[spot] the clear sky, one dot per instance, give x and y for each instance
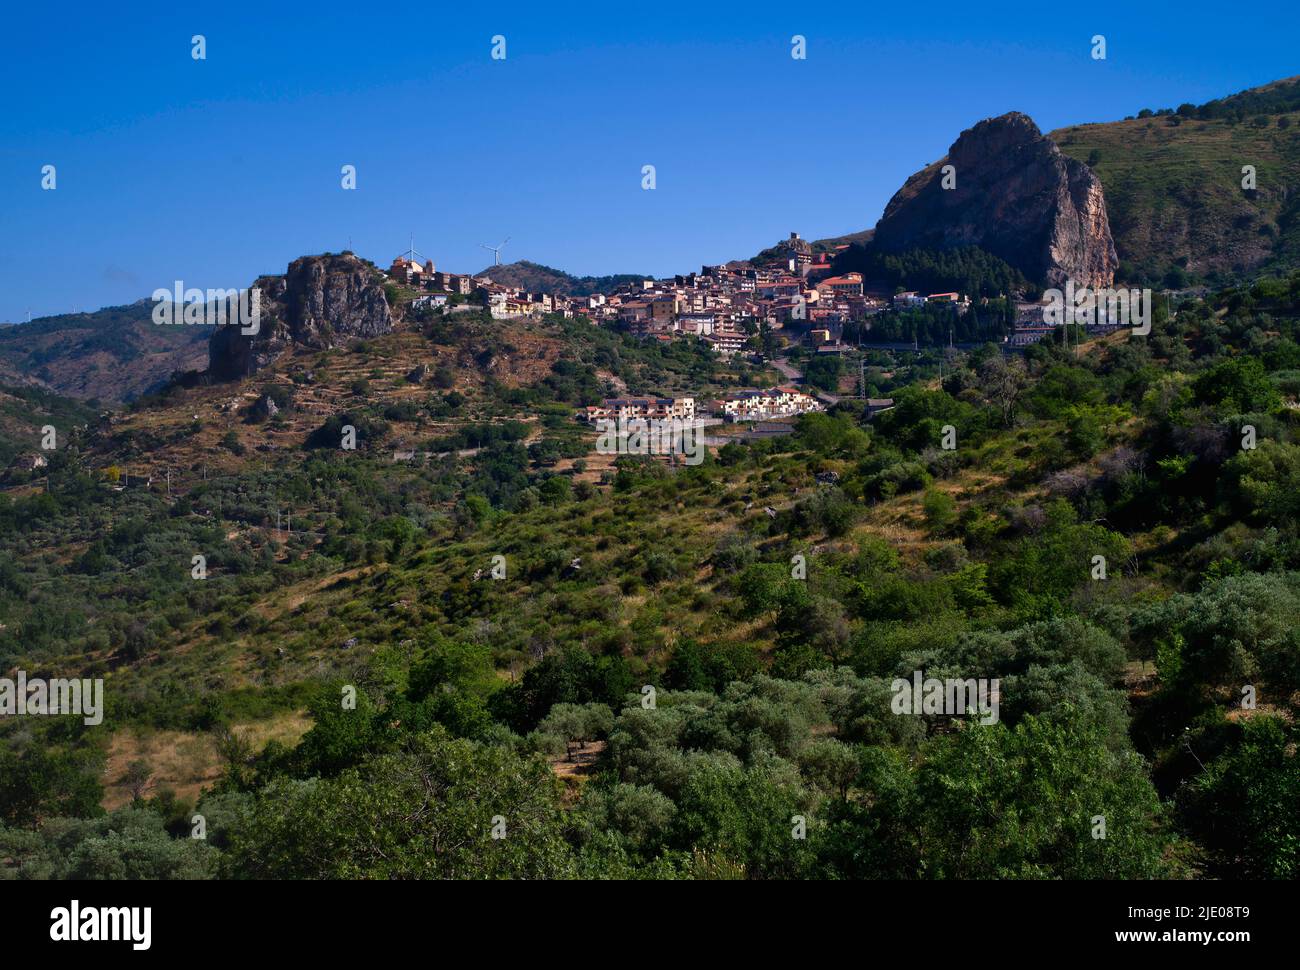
(218, 170)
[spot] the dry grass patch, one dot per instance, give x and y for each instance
(182, 761)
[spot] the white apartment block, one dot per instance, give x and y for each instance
(759, 405)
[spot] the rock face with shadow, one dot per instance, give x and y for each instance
(320, 302)
(1016, 196)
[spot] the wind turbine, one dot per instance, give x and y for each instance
(411, 255)
(495, 250)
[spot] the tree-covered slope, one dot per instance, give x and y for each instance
(674, 664)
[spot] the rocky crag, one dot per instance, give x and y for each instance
(320, 302)
(1016, 196)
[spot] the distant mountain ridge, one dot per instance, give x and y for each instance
(113, 355)
(536, 278)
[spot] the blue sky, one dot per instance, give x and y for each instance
(216, 171)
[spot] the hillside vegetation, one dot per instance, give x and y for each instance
(1174, 186)
(679, 667)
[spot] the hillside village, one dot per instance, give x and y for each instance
(791, 294)
(722, 305)
(795, 294)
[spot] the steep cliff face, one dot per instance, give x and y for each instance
(1016, 196)
(319, 302)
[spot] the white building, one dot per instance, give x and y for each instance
(760, 405)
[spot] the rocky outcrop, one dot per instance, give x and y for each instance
(265, 408)
(319, 302)
(1016, 196)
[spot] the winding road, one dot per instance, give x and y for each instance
(792, 373)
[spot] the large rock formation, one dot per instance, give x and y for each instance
(1016, 196)
(319, 302)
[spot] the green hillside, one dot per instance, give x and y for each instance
(1173, 182)
(25, 412)
(1121, 692)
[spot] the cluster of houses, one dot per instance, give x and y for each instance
(721, 305)
(440, 288)
(633, 408)
(775, 402)
(747, 405)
